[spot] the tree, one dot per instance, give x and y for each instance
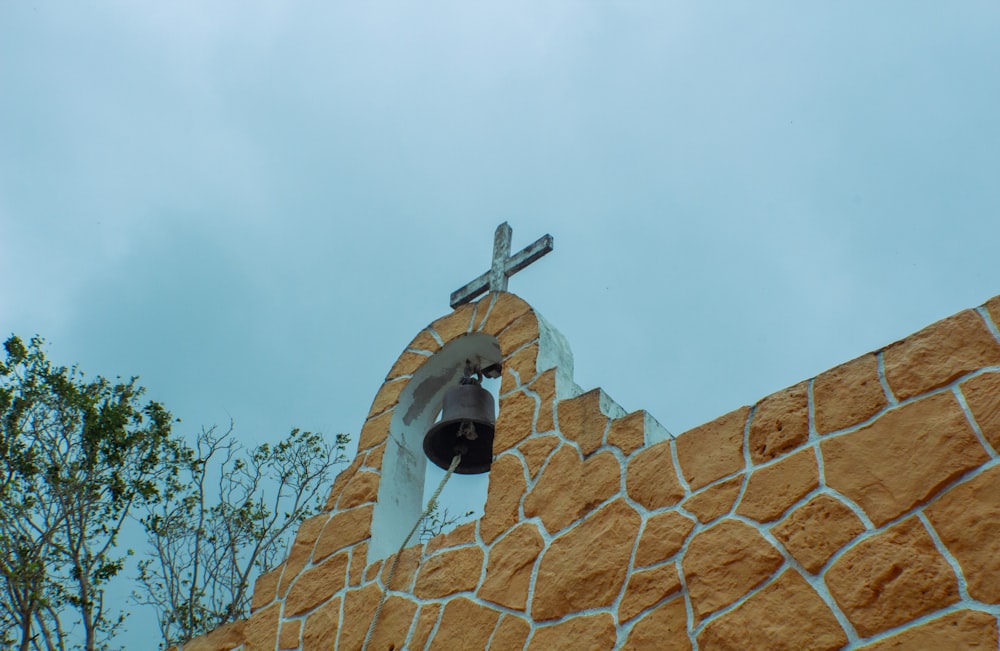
(438, 521)
(77, 457)
(228, 515)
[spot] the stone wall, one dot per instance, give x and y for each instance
(858, 509)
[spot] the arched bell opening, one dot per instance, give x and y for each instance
(406, 474)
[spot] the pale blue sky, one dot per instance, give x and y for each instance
(254, 206)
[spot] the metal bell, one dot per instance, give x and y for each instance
(466, 427)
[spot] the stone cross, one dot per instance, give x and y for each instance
(504, 266)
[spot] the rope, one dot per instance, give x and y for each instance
(392, 569)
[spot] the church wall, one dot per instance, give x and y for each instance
(859, 509)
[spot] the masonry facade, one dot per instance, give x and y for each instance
(859, 509)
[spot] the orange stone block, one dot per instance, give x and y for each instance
(663, 536)
(787, 615)
(982, 394)
(375, 430)
(545, 386)
(425, 624)
(342, 530)
(628, 434)
(265, 588)
(967, 519)
(904, 458)
(406, 365)
(289, 636)
(713, 450)
(373, 459)
(993, 308)
(505, 310)
(452, 571)
(848, 394)
(503, 497)
(965, 630)
(393, 624)
(262, 629)
(225, 637)
(536, 450)
(714, 501)
(373, 570)
(581, 420)
(406, 568)
(425, 341)
(464, 625)
(512, 633)
(343, 477)
(522, 331)
(570, 487)
(523, 363)
(780, 423)
(320, 632)
(584, 632)
(359, 608)
(515, 421)
(892, 578)
(457, 323)
(362, 489)
(651, 479)
(773, 489)
(359, 559)
(815, 531)
(939, 354)
(302, 549)
(663, 629)
(508, 570)
(647, 587)
(460, 535)
(586, 567)
(316, 585)
(387, 396)
(724, 563)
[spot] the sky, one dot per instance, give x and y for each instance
(254, 206)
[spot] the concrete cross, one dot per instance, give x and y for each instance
(504, 266)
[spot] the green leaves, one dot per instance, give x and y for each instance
(77, 456)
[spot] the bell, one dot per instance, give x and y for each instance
(466, 427)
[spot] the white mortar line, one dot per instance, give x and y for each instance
(472, 318)
(882, 379)
(436, 626)
(677, 468)
(413, 627)
(518, 385)
(419, 351)
(496, 627)
(625, 629)
(961, 479)
(919, 621)
(489, 308)
(617, 602)
(988, 319)
(679, 560)
(747, 462)
(811, 410)
(972, 422)
(716, 614)
(854, 506)
(815, 581)
(963, 586)
(435, 335)
(340, 629)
